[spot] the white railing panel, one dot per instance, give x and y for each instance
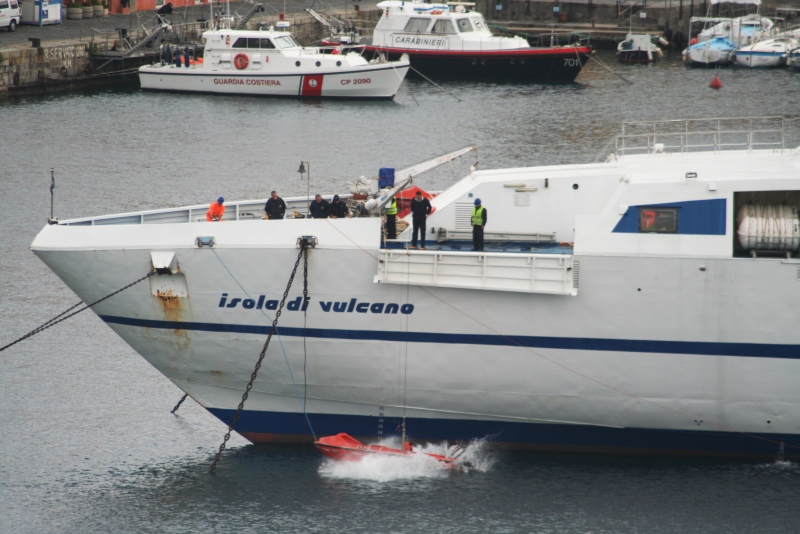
(499, 271)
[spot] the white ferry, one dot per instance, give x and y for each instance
(272, 63)
(643, 303)
(449, 41)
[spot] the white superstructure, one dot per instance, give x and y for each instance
(646, 302)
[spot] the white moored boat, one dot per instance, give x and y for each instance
(272, 63)
(770, 53)
(646, 302)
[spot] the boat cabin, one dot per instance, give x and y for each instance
(450, 26)
(254, 50)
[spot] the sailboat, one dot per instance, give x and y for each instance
(718, 38)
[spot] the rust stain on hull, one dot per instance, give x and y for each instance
(172, 307)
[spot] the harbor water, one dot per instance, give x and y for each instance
(88, 443)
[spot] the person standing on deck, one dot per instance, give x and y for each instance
(391, 219)
(275, 207)
(216, 210)
(478, 223)
(318, 208)
(338, 209)
(420, 209)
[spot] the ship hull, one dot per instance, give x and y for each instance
(651, 356)
(534, 64)
(380, 82)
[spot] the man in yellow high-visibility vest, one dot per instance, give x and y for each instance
(391, 219)
(478, 223)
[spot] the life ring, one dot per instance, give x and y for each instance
(240, 61)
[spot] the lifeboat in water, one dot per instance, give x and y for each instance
(347, 448)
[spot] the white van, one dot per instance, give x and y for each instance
(9, 14)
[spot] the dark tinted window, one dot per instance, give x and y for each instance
(266, 43)
(252, 42)
(658, 220)
(241, 42)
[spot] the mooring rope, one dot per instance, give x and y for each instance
(55, 320)
(246, 394)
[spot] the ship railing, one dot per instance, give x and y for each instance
(234, 211)
(702, 135)
(555, 274)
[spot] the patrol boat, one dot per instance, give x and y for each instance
(272, 63)
(449, 41)
(643, 303)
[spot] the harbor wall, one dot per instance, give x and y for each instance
(26, 66)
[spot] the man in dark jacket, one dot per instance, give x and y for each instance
(319, 208)
(420, 209)
(478, 222)
(275, 207)
(338, 209)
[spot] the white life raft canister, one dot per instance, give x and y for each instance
(763, 227)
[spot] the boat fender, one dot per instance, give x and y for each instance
(663, 41)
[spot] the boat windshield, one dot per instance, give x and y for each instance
(443, 26)
(463, 25)
(478, 22)
(285, 41)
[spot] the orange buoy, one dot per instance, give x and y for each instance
(715, 83)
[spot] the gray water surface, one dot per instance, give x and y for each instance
(87, 443)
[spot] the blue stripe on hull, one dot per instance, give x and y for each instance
(291, 427)
(756, 350)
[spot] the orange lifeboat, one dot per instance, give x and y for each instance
(345, 447)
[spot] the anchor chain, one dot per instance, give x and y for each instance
(55, 320)
(305, 353)
(175, 409)
(303, 245)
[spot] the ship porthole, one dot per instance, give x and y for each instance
(474, 61)
(318, 63)
(338, 63)
(297, 63)
(512, 61)
(483, 62)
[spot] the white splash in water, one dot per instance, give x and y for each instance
(387, 468)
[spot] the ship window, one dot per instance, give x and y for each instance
(658, 220)
(241, 42)
(443, 26)
(417, 25)
(285, 42)
(464, 25)
(253, 42)
(266, 43)
(478, 22)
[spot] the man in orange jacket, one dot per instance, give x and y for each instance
(216, 210)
